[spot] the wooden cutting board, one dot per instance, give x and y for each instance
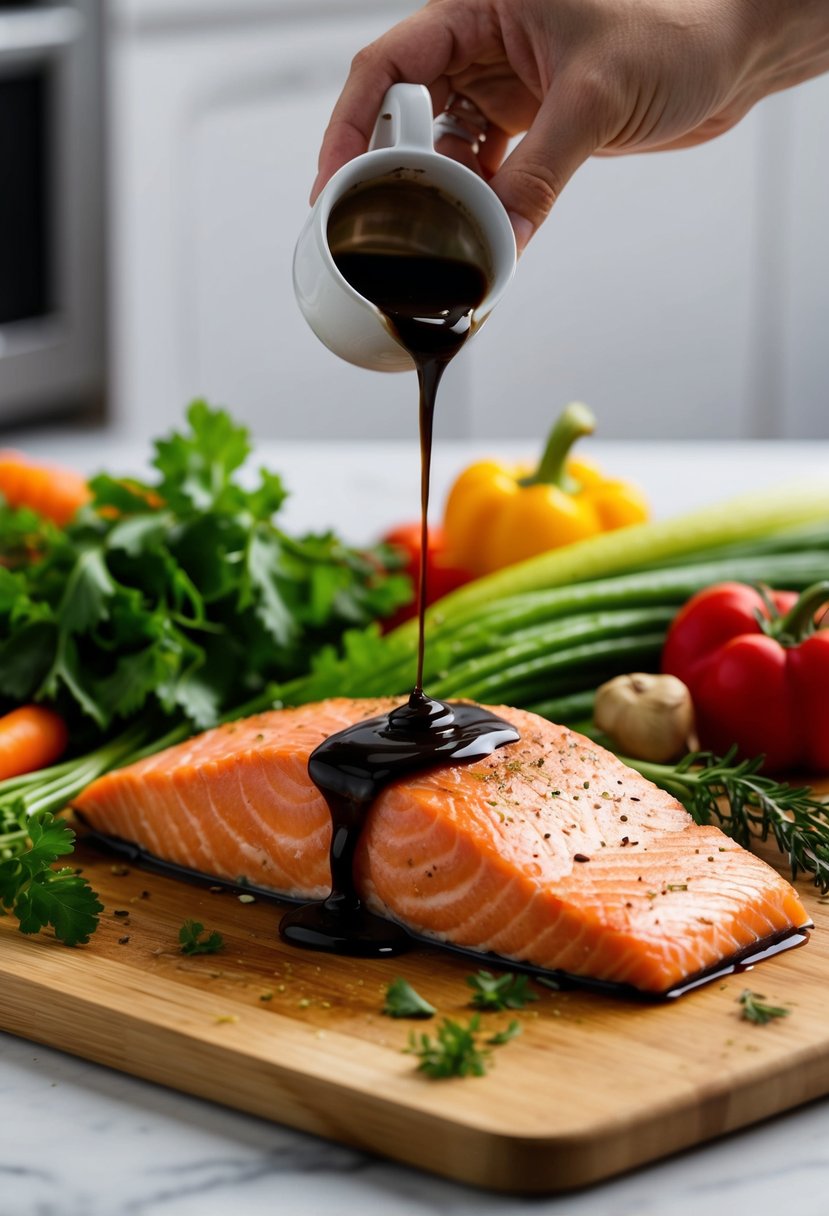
(593, 1085)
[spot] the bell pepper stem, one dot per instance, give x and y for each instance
(573, 422)
(799, 622)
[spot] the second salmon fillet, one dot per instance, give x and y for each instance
(550, 851)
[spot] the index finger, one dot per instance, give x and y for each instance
(434, 43)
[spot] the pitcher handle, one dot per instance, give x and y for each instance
(405, 119)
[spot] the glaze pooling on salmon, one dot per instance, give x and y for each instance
(482, 856)
(350, 769)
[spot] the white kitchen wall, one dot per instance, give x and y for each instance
(682, 295)
(804, 266)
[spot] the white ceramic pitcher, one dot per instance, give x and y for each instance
(402, 145)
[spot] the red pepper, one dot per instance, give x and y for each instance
(757, 668)
(441, 575)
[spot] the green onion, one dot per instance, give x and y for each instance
(479, 652)
(758, 515)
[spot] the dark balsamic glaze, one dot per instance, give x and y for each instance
(428, 302)
(351, 768)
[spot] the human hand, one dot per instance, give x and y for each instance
(577, 77)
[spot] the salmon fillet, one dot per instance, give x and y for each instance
(550, 851)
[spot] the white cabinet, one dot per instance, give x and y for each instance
(683, 294)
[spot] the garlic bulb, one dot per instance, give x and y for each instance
(647, 717)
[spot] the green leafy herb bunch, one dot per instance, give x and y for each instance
(180, 596)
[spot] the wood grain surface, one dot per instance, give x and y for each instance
(593, 1085)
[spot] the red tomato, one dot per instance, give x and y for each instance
(441, 576)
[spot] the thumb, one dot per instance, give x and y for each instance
(563, 135)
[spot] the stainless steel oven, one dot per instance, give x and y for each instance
(51, 210)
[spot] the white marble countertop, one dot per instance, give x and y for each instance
(80, 1140)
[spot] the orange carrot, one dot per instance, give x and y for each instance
(52, 491)
(31, 738)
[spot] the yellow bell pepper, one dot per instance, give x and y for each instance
(499, 514)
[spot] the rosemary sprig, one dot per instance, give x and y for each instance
(747, 804)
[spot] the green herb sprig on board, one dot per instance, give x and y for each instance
(496, 993)
(747, 804)
(754, 1008)
(36, 893)
(195, 939)
(403, 1002)
(457, 1050)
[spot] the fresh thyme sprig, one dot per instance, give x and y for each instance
(746, 803)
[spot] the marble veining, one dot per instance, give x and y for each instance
(81, 1140)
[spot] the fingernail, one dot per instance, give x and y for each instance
(522, 228)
